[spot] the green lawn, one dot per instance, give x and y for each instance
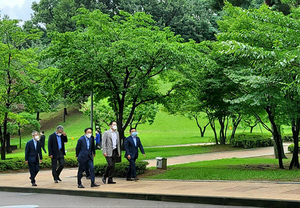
(254, 169)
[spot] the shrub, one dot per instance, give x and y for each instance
(251, 140)
(287, 138)
(19, 163)
(292, 146)
(121, 168)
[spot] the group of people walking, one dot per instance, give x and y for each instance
(85, 153)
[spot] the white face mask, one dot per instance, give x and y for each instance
(37, 138)
(88, 135)
(59, 134)
(114, 127)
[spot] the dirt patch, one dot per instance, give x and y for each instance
(151, 172)
(51, 122)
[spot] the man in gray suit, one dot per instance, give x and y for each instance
(111, 151)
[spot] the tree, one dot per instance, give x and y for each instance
(261, 46)
(119, 57)
(18, 69)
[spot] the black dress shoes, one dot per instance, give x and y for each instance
(55, 181)
(136, 179)
(80, 186)
(129, 179)
(59, 179)
(111, 182)
(94, 185)
(34, 184)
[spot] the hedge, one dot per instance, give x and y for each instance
(19, 163)
(292, 146)
(120, 169)
(251, 140)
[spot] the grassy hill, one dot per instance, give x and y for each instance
(166, 130)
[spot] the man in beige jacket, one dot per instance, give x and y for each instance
(111, 150)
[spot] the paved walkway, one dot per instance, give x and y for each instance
(261, 194)
(213, 192)
(255, 152)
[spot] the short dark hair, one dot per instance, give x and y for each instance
(42, 132)
(85, 130)
(110, 123)
(131, 129)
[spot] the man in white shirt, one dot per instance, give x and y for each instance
(111, 151)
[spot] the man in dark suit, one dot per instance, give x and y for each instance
(42, 141)
(131, 144)
(33, 156)
(56, 151)
(85, 153)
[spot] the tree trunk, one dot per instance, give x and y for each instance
(222, 127)
(295, 158)
(276, 136)
(213, 127)
(2, 144)
(38, 116)
(8, 147)
(199, 126)
(3, 150)
(235, 125)
(252, 127)
(65, 114)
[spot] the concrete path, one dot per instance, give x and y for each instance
(265, 194)
(255, 152)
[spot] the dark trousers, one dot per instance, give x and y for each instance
(56, 171)
(111, 161)
(131, 173)
(82, 166)
(33, 170)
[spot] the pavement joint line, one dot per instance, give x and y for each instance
(216, 200)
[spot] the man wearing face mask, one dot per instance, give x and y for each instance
(33, 156)
(56, 150)
(131, 144)
(85, 153)
(111, 151)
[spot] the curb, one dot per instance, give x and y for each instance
(163, 197)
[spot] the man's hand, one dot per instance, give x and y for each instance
(51, 156)
(128, 157)
(64, 133)
(76, 156)
(104, 154)
(26, 162)
(144, 155)
(41, 161)
(94, 155)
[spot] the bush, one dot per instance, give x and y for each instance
(251, 140)
(287, 138)
(19, 163)
(291, 147)
(121, 168)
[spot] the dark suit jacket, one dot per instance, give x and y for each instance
(131, 149)
(84, 154)
(42, 140)
(53, 146)
(32, 154)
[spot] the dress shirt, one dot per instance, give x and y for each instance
(35, 143)
(114, 139)
(134, 140)
(58, 141)
(87, 142)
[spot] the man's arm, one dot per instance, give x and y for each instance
(50, 146)
(104, 141)
(78, 147)
(26, 153)
(141, 147)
